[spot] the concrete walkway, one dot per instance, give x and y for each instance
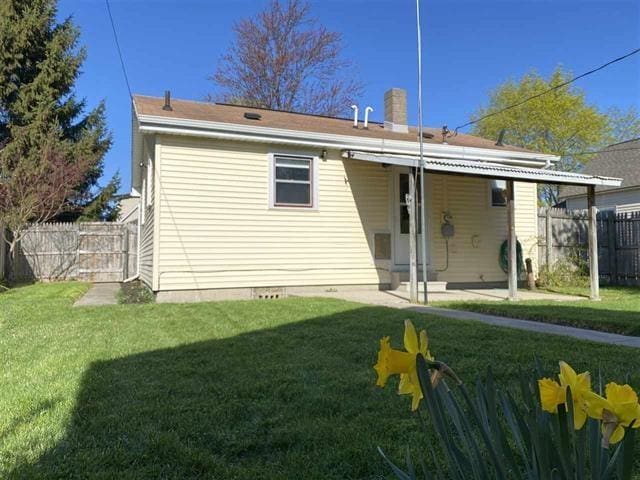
(100, 294)
(395, 299)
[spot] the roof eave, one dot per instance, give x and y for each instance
(232, 131)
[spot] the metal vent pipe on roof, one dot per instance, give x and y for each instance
(167, 101)
(355, 115)
(366, 116)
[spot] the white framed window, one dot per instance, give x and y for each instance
(498, 193)
(293, 181)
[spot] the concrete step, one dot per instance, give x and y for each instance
(432, 287)
(431, 276)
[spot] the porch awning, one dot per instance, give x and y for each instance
(477, 168)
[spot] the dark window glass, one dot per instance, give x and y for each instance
(285, 173)
(293, 181)
(498, 193)
(404, 187)
(404, 220)
(293, 193)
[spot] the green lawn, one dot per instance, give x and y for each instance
(618, 312)
(275, 389)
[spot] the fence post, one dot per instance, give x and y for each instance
(549, 238)
(613, 254)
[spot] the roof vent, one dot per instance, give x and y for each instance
(252, 116)
(427, 135)
(167, 101)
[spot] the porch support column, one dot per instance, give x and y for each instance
(512, 242)
(593, 243)
(413, 247)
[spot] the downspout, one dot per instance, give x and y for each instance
(135, 277)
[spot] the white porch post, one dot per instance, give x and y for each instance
(593, 243)
(512, 242)
(413, 250)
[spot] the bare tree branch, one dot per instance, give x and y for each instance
(34, 192)
(282, 60)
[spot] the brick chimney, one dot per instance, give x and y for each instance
(395, 110)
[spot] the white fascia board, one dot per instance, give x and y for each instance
(488, 170)
(232, 131)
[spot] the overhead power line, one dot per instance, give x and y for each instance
(555, 87)
(115, 37)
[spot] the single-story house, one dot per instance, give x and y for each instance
(241, 202)
(618, 160)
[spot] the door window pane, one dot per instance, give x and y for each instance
(404, 187)
(404, 220)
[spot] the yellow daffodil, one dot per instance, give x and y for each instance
(397, 362)
(553, 393)
(617, 410)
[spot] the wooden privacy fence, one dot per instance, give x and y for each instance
(564, 236)
(92, 252)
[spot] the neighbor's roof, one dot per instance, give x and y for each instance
(234, 114)
(620, 160)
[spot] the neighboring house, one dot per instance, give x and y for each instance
(618, 160)
(128, 208)
(241, 201)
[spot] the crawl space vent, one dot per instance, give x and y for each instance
(268, 293)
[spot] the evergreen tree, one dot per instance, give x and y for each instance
(39, 63)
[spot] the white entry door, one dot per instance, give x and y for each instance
(401, 218)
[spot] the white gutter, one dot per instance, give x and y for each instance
(232, 131)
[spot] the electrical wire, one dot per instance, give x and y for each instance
(115, 37)
(549, 90)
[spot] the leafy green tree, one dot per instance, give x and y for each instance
(40, 61)
(104, 206)
(624, 124)
(561, 122)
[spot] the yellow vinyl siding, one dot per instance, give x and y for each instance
(480, 228)
(217, 230)
(527, 220)
(214, 227)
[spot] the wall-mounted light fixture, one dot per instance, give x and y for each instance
(323, 155)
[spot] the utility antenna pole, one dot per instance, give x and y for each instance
(423, 219)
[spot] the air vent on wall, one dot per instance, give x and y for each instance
(252, 116)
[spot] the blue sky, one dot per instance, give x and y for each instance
(469, 47)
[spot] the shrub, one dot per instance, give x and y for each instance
(572, 271)
(135, 292)
(552, 430)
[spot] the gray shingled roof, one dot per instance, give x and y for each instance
(620, 160)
